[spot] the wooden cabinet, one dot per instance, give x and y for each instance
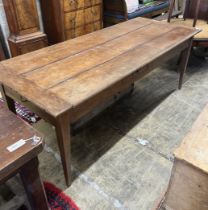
(25, 34)
(67, 19)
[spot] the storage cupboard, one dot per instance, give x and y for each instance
(67, 19)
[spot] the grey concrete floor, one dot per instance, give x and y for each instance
(123, 158)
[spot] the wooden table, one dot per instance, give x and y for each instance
(22, 160)
(66, 81)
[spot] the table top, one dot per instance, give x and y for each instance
(13, 129)
(61, 77)
(193, 148)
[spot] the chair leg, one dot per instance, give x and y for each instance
(170, 12)
(186, 9)
(196, 13)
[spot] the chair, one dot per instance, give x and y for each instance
(116, 11)
(196, 15)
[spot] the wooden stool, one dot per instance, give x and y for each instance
(188, 188)
(22, 160)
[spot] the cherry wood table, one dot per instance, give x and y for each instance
(22, 160)
(64, 82)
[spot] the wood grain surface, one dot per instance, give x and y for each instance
(73, 71)
(11, 130)
(188, 187)
(193, 148)
(66, 19)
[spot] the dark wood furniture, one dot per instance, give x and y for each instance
(188, 188)
(203, 9)
(25, 34)
(195, 15)
(2, 56)
(2, 52)
(115, 11)
(66, 81)
(66, 19)
(23, 160)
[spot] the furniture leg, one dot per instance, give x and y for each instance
(172, 3)
(63, 138)
(9, 101)
(33, 185)
(197, 13)
(183, 63)
(176, 5)
(186, 9)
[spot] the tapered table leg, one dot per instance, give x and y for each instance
(183, 63)
(33, 185)
(64, 142)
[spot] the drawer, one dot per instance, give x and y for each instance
(75, 32)
(81, 17)
(93, 14)
(71, 5)
(89, 28)
(84, 29)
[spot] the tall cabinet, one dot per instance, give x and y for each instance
(25, 34)
(67, 19)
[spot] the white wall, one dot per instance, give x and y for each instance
(3, 22)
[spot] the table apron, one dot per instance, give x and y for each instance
(31, 106)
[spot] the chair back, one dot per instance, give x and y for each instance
(203, 9)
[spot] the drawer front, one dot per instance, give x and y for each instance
(71, 5)
(84, 29)
(81, 17)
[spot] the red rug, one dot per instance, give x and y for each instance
(57, 199)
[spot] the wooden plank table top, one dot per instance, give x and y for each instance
(66, 81)
(24, 159)
(13, 129)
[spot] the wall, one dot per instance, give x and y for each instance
(3, 23)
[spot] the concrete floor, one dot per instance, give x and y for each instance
(123, 158)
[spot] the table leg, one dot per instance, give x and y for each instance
(33, 185)
(183, 63)
(64, 142)
(9, 101)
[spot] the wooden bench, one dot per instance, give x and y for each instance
(188, 188)
(22, 160)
